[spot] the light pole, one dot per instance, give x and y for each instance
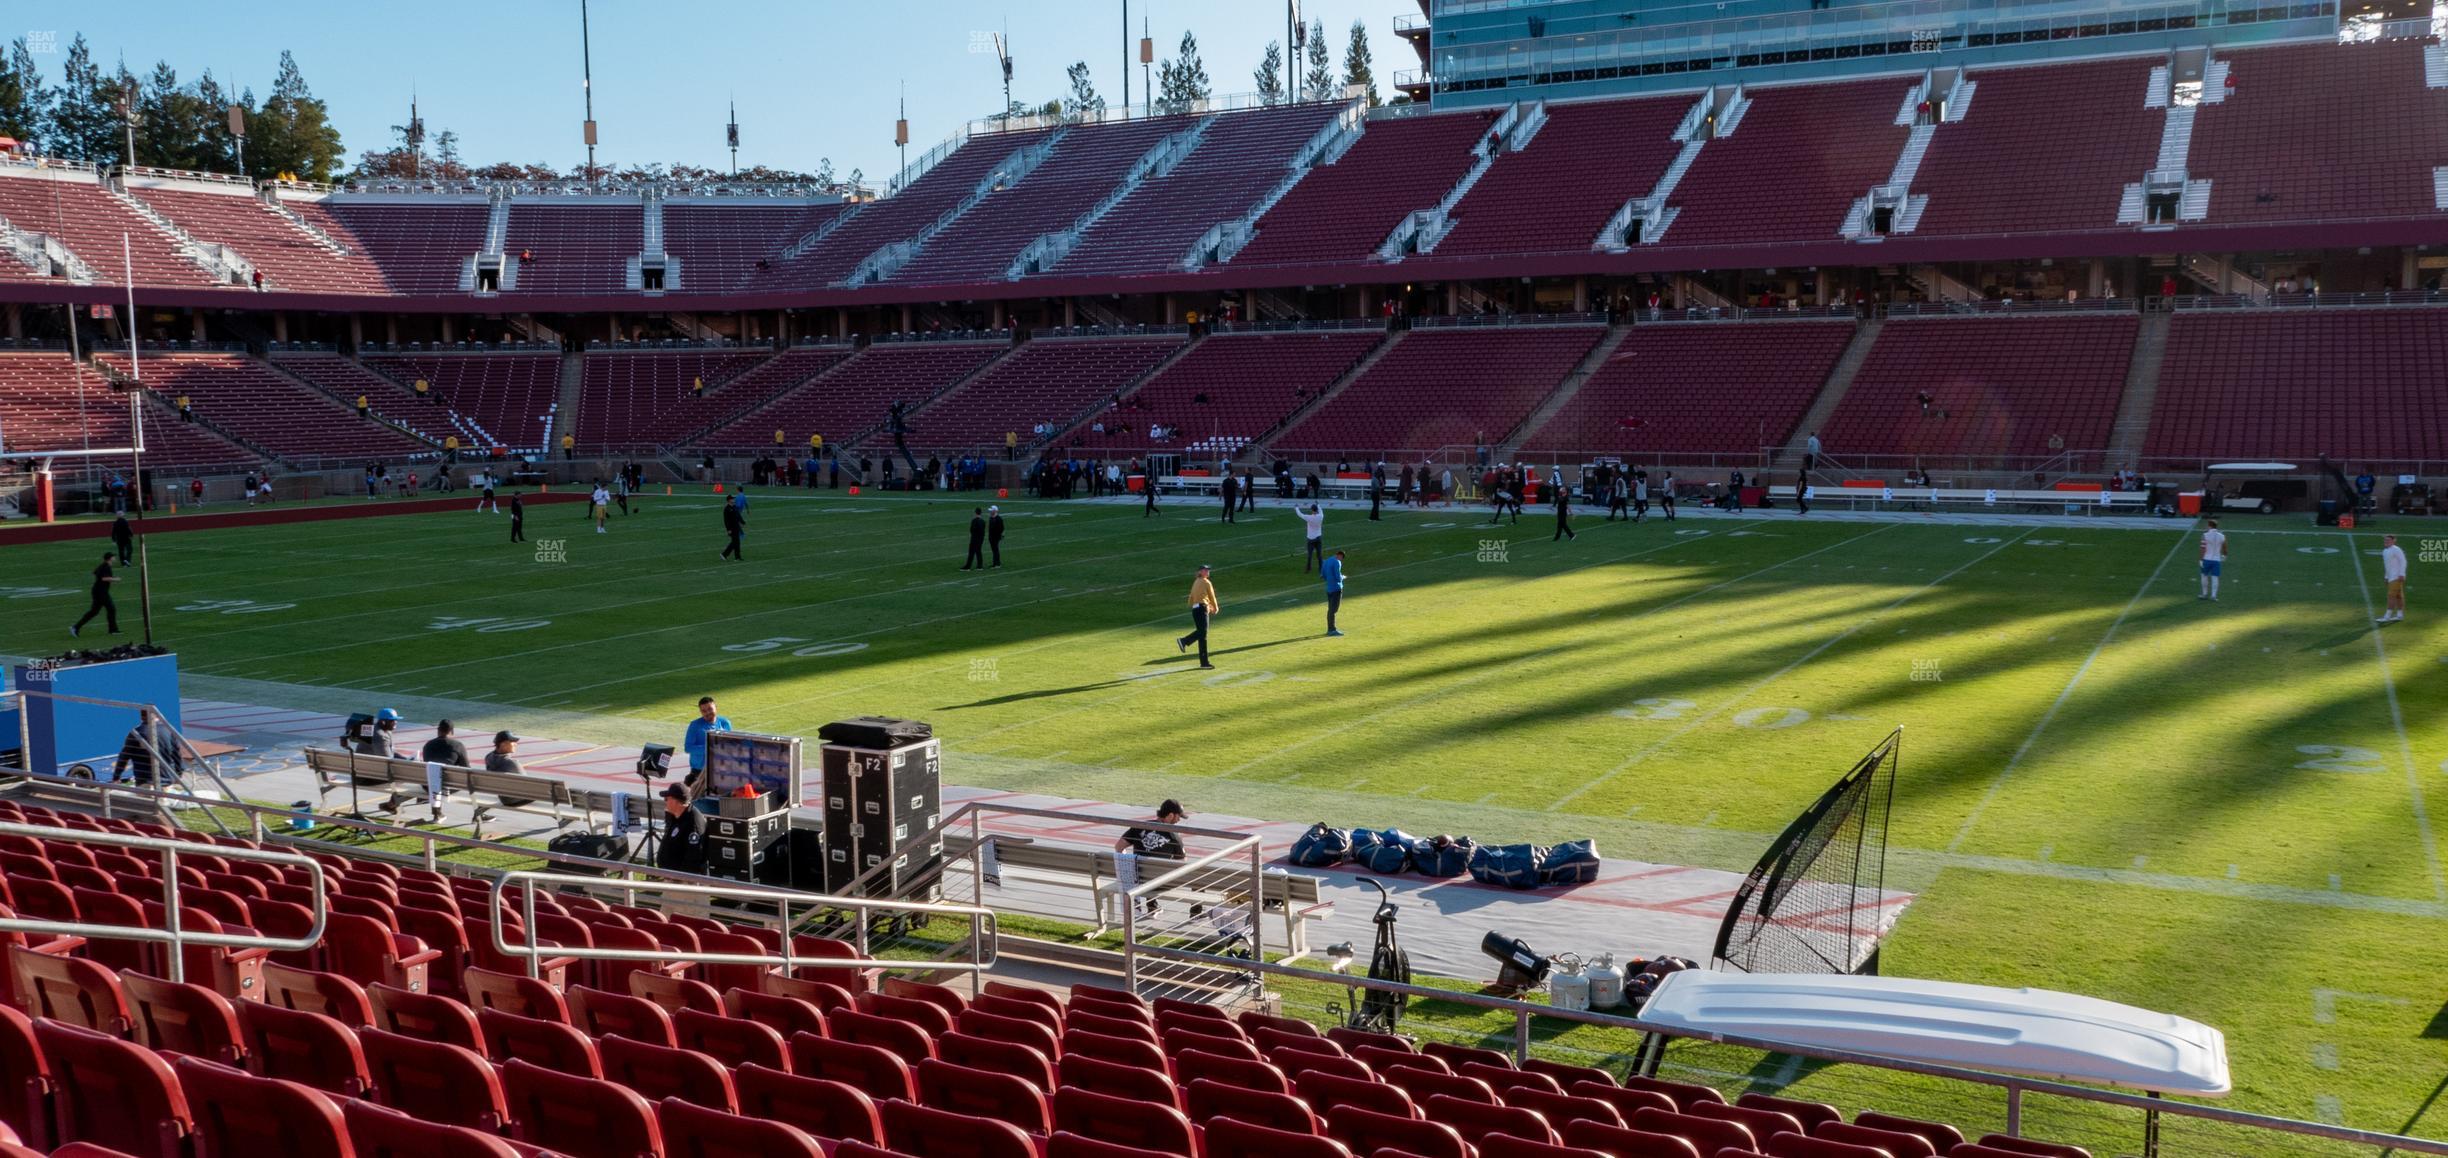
(586, 83)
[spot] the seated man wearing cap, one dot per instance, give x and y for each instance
(378, 740)
(504, 756)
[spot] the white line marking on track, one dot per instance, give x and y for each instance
(2024, 749)
(2405, 745)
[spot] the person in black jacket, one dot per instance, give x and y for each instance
(735, 524)
(123, 538)
(680, 847)
(1231, 486)
(102, 603)
(1563, 513)
(977, 539)
(994, 533)
(151, 752)
(518, 519)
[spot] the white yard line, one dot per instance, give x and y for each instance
(2405, 743)
(1635, 758)
(1998, 783)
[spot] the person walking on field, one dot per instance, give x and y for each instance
(1563, 513)
(1619, 497)
(2213, 560)
(2393, 573)
(1231, 485)
(994, 533)
(1313, 522)
(602, 502)
(1203, 607)
(735, 524)
(102, 604)
(518, 519)
(1249, 490)
(1147, 482)
(1332, 572)
(123, 539)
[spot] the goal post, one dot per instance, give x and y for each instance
(1815, 901)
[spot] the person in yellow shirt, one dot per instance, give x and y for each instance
(362, 407)
(186, 409)
(424, 390)
(569, 445)
(1011, 445)
(1203, 607)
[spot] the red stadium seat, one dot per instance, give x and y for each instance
(926, 1015)
(1120, 1050)
(925, 1132)
(1107, 995)
(2033, 1146)
(1295, 1062)
(602, 1013)
(366, 951)
(675, 993)
(1180, 1041)
(1381, 1058)
(1070, 1145)
(1324, 1091)
(1942, 1137)
(1566, 1074)
(1455, 1055)
(1626, 1101)
(826, 1109)
(1019, 1030)
(424, 1016)
(1424, 1084)
(69, 990)
(1121, 1080)
(1506, 1080)
(984, 1094)
(182, 1019)
(1798, 1146)
(546, 1043)
(1895, 1142)
(1269, 1040)
(1145, 1125)
(783, 1015)
(1685, 1094)
(1514, 1147)
(316, 991)
(661, 1071)
(114, 1093)
(1049, 1016)
(515, 993)
(1369, 1131)
(1228, 1138)
(1476, 1120)
(1008, 991)
(1206, 1101)
(950, 1000)
(434, 1081)
(1709, 1134)
(25, 1080)
(824, 995)
(1762, 1123)
(906, 1041)
(1249, 1075)
(1630, 1143)
(1253, 1020)
(1562, 1109)
(375, 1132)
(1812, 1115)
(694, 1131)
(579, 1116)
(302, 1047)
(1001, 1057)
(238, 1115)
(873, 1070)
(730, 1040)
(1092, 1019)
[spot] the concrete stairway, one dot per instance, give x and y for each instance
(1839, 383)
(1325, 396)
(564, 419)
(2141, 391)
(1563, 394)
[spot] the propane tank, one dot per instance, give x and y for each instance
(1567, 988)
(1606, 983)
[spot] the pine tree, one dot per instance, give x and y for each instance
(1356, 62)
(1317, 80)
(1083, 101)
(82, 123)
(1183, 84)
(25, 101)
(1270, 75)
(293, 134)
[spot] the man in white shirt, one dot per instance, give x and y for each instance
(2213, 554)
(1313, 523)
(602, 500)
(2393, 572)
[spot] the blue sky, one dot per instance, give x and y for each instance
(813, 77)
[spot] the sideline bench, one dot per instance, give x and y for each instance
(1299, 899)
(1876, 494)
(408, 781)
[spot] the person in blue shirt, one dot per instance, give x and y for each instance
(1332, 571)
(694, 741)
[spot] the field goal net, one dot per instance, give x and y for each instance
(1815, 902)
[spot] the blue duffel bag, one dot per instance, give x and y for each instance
(1444, 856)
(1362, 841)
(1574, 862)
(1515, 866)
(1391, 854)
(1323, 845)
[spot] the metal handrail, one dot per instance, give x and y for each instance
(984, 932)
(183, 749)
(2015, 1087)
(1250, 846)
(171, 933)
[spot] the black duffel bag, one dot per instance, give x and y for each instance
(1515, 866)
(1444, 856)
(1391, 854)
(1574, 862)
(1322, 846)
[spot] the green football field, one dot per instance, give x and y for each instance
(2108, 787)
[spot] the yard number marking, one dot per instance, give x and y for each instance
(813, 651)
(1655, 708)
(2341, 758)
(487, 624)
(234, 606)
(1771, 719)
